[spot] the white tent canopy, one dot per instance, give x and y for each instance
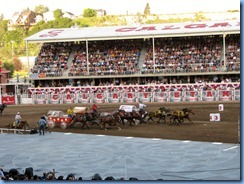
(137, 31)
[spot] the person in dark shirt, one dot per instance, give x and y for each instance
(42, 124)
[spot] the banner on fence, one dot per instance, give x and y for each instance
(225, 95)
(40, 99)
(54, 98)
(209, 95)
(175, 96)
(8, 99)
(160, 96)
(191, 96)
(114, 97)
(68, 98)
(84, 97)
(99, 98)
(237, 95)
(145, 97)
(129, 97)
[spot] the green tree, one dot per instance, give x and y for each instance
(40, 10)
(58, 13)
(3, 30)
(147, 9)
(9, 66)
(88, 12)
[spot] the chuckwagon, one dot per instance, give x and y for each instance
(55, 117)
(128, 108)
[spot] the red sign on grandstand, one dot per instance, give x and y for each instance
(8, 99)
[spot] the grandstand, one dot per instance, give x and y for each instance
(137, 63)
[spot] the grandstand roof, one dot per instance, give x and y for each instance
(137, 31)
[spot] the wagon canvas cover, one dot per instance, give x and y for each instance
(79, 110)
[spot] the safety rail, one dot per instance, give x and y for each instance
(15, 131)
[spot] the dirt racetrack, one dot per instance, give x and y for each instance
(225, 131)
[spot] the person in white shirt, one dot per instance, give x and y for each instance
(141, 107)
(17, 119)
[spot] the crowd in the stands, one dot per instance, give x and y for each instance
(122, 57)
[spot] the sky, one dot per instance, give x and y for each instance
(115, 7)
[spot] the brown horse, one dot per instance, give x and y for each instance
(2, 107)
(21, 125)
(111, 119)
(132, 116)
(84, 119)
(178, 116)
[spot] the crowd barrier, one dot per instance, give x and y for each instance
(129, 94)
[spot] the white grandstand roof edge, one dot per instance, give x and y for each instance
(136, 32)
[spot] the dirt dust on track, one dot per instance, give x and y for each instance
(202, 129)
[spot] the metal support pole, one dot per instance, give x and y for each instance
(87, 58)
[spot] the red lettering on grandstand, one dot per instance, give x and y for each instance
(190, 26)
(173, 27)
(55, 96)
(99, 96)
(126, 29)
(177, 94)
(170, 27)
(115, 95)
(145, 95)
(225, 93)
(151, 28)
(192, 93)
(209, 94)
(52, 33)
(129, 95)
(223, 24)
(68, 96)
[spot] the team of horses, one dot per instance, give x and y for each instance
(117, 118)
(120, 118)
(175, 117)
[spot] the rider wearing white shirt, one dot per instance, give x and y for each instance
(17, 119)
(141, 107)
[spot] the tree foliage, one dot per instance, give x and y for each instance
(147, 10)
(40, 10)
(88, 12)
(58, 13)
(9, 66)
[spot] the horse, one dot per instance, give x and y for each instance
(112, 119)
(21, 125)
(84, 119)
(178, 116)
(2, 107)
(161, 114)
(131, 117)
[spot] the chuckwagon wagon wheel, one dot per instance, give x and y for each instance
(63, 125)
(51, 124)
